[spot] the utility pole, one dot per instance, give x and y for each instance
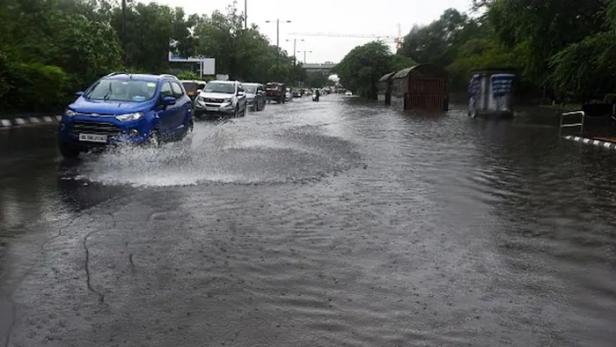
(124, 31)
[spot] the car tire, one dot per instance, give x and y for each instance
(68, 151)
(155, 140)
(243, 114)
(190, 126)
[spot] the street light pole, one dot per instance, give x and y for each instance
(295, 49)
(278, 30)
(245, 14)
(304, 54)
(124, 31)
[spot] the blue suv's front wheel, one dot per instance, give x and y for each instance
(155, 140)
(68, 150)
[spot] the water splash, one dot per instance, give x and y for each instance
(218, 154)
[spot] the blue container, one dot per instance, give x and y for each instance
(490, 94)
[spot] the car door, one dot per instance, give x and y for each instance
(166, 113)
(182, 104)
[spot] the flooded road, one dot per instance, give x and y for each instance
(338, 223)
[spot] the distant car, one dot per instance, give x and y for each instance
(275, 91)
(255, 96)
(125, 108)
(221, 98)
(288, 96)
(348, 92)
(193, 87)
(297, 93)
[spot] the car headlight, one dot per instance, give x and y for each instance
(69, 113)
(129, 116)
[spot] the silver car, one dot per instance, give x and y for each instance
(221, 98)
(255, 96)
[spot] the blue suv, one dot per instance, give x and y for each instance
(126, 108)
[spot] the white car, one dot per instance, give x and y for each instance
(288, 96)
(221, 98)
(348, 92)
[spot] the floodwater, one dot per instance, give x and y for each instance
(338, 223)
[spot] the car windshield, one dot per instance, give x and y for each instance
(190, 86)
(225, 88)
(250, 88)
(122, 90)
(272, 86)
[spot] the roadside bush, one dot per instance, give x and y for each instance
(39, 87)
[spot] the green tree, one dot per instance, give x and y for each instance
(364, 65)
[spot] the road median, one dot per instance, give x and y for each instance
(7, 122)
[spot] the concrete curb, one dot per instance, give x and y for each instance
(598, 143)
(21, 121)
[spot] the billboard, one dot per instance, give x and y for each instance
(207, 66)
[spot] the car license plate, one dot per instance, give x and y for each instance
(211, 108)
(93, 138)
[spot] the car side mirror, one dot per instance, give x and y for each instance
(168, 100)
(78, 94)
(240, 93)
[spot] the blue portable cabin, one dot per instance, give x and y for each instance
(490, 93)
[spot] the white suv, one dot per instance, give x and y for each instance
(221, 98)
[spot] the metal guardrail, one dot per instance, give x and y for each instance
(572, 125)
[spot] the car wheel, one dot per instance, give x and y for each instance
(236, 113)
(155, 139)
(243, 114)
(68, 151)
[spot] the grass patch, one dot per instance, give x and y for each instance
(563, 108)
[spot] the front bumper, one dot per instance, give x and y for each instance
(115, 132)
(210, 112)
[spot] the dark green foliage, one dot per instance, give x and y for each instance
(50, 49)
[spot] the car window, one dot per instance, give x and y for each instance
(177, 90)
(165, 90)
(121, 90)
(190, 86)
(251, 88)
(216, 87)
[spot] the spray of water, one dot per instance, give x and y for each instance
(212, 154)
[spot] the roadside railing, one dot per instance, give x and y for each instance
(572, 125)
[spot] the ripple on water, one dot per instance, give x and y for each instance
(223, 155)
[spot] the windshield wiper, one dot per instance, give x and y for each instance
(108, 95)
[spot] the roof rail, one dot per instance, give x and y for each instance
(169, 76)
(118, 73)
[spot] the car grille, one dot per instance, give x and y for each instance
(97, 128)
(217, 101)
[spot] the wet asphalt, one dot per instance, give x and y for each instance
(338, 223)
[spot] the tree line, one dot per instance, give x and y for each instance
(561, 50)
(50, 49)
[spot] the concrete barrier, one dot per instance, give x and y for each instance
(14, 122)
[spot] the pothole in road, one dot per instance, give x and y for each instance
(223, 155)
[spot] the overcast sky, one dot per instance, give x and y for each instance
(346, 17)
